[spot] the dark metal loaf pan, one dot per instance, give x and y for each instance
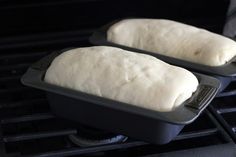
(139, 123)
(99, 37)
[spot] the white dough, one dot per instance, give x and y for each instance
(125, 76)
(173, 39)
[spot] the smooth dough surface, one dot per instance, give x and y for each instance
(173, 39)
(125, 76)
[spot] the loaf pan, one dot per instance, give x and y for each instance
(136, 122)
(99, 37)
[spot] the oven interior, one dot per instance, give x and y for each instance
(33, 29)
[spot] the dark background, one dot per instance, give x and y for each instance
(26, 17)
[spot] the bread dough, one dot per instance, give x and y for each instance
(125, 76)
(173, 39)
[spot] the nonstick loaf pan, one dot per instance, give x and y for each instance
(136, 122)
(99, 37)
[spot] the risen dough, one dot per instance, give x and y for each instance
(173, 39)
(124, 76)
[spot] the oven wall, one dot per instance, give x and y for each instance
(40, 16)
